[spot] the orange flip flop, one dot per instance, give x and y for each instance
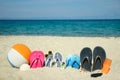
(106, 66)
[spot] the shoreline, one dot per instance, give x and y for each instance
(62, 36)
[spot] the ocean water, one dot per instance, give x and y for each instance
(84, 28)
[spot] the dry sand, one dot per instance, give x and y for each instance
(65, 45)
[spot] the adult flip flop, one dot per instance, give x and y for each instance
(48, 60)
(99, 56)
(36, 59)
(86, 58)
(73, 61)
(58, 58)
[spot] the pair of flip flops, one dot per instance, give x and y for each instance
(98, 58)
(49, 62)
(73, 61)
(36, 59)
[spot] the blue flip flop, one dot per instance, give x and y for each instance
(73, 61)
(99, 55)
(86, 58)
(69, 60)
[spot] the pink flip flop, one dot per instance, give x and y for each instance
(36, 59)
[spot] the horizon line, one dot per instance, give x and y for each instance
(59, 19)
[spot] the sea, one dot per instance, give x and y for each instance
(75, 28)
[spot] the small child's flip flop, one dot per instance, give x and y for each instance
(58, 58)
(86, 59)
(96, 74)
(99, 56)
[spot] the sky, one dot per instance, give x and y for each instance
(59, 9)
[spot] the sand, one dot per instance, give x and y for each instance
(64, 45)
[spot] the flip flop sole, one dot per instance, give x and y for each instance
(86, 58)
(99, 55)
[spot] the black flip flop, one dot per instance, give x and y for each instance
(99, 56)
(86, 58)
(96, 75)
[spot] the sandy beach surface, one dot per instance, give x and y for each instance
(64, 45)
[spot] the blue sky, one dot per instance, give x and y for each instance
(59, 9)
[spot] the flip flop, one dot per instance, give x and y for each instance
(99, 56)
(86, 59)
(96, 74)
(58, 58)
(48, 60)
(36, 59)
(76, 63)
(69, 60)
(73, 61)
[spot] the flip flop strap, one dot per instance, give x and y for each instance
(47, 61)
(35, 61)
(96, 60)
(58, 58)
(68, 62)
(87, 60)
(76, 63)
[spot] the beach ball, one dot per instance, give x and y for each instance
(19, 54)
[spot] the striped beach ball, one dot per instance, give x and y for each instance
(19, 54)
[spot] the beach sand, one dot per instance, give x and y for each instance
(64, 45)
